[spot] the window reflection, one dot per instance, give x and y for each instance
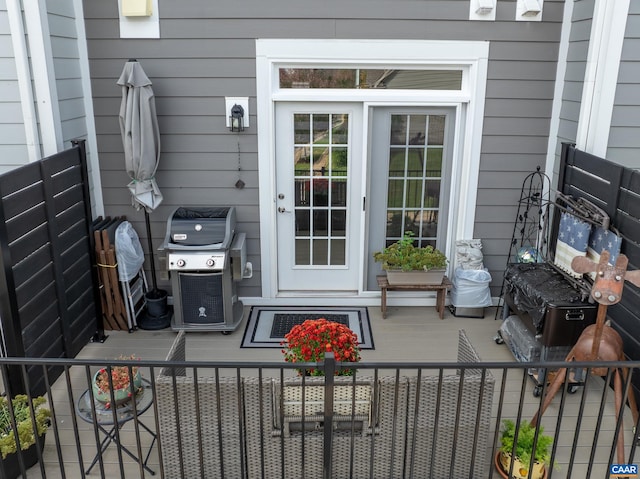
(390, 79)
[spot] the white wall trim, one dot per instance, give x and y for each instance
(39, 40)
(23, 71)
(601, 75)
(472, 56)
(95, 183)
(558, 91)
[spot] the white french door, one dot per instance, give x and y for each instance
(409, 178)
(318, 196)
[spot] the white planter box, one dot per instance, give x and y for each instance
(397, 277)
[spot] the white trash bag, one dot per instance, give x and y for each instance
(470, 288)
(469, 254)
(129, 253)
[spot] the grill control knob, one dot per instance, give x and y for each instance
(181, 263)
(210, 263)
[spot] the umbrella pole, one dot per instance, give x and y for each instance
(151, 257)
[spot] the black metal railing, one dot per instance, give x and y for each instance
(250, 419)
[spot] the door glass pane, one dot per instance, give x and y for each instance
(340, 129)
(436, 129)
(303, 224)
(398, 130)
(432, 194)
(413, 197)
(417, 129)
(394, 224)
(301, 191)
(302, 128)
(339, 192)
(321, 155)
(301, 161)
(320, 223)
(396, 162)
(338, 249)
(320, 252)
(415, 162)
(321, 129)
(303, 252)
(339, 161)
(434, 161)
(338, 223)
(415, 175)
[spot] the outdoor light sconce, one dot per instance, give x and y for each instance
(237, 117)
(529, 10)
(482, 9)
(237, 109)
(136, 8)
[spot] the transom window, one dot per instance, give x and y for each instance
(391, 79)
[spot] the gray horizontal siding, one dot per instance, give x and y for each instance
(13, 149)
(66, 63)
(624, 136)
(207, 51)
(574, 76)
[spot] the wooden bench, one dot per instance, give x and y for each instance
(441, 289)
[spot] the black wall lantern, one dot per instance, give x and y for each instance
(236, 119)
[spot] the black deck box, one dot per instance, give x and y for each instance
(547, 304)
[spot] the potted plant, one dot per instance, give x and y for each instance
(121, 384)
(308, 342)
(26, 432)
(406, 263)
(523, 451)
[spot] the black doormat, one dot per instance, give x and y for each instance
(267, 325)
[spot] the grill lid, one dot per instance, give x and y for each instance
(201, 212)
(200, 227)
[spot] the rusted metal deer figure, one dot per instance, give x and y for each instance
(599, 341)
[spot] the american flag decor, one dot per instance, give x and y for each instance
(601, 240)
(573, 239)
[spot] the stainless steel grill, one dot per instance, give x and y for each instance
(205, 259)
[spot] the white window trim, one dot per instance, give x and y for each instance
(471, 56)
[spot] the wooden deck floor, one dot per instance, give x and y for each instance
(407, 334)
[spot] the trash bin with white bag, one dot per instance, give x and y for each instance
(470, 292)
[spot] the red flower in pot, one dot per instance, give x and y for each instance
(308, 342)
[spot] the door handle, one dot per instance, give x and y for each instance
(282, 209)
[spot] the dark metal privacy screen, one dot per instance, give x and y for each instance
(616, 190)
(47, 295)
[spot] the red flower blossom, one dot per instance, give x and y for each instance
(308, 342)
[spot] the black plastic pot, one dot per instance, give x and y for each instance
(10, 466)
(157, 315)
(156, 302)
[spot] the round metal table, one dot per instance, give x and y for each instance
(103, 417)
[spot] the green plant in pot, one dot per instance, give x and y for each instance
(404, 256)
(526, 435)
(27, 433)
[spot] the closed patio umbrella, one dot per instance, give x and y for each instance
(141, 141)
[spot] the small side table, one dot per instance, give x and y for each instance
(124, 414)
(441, 289)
